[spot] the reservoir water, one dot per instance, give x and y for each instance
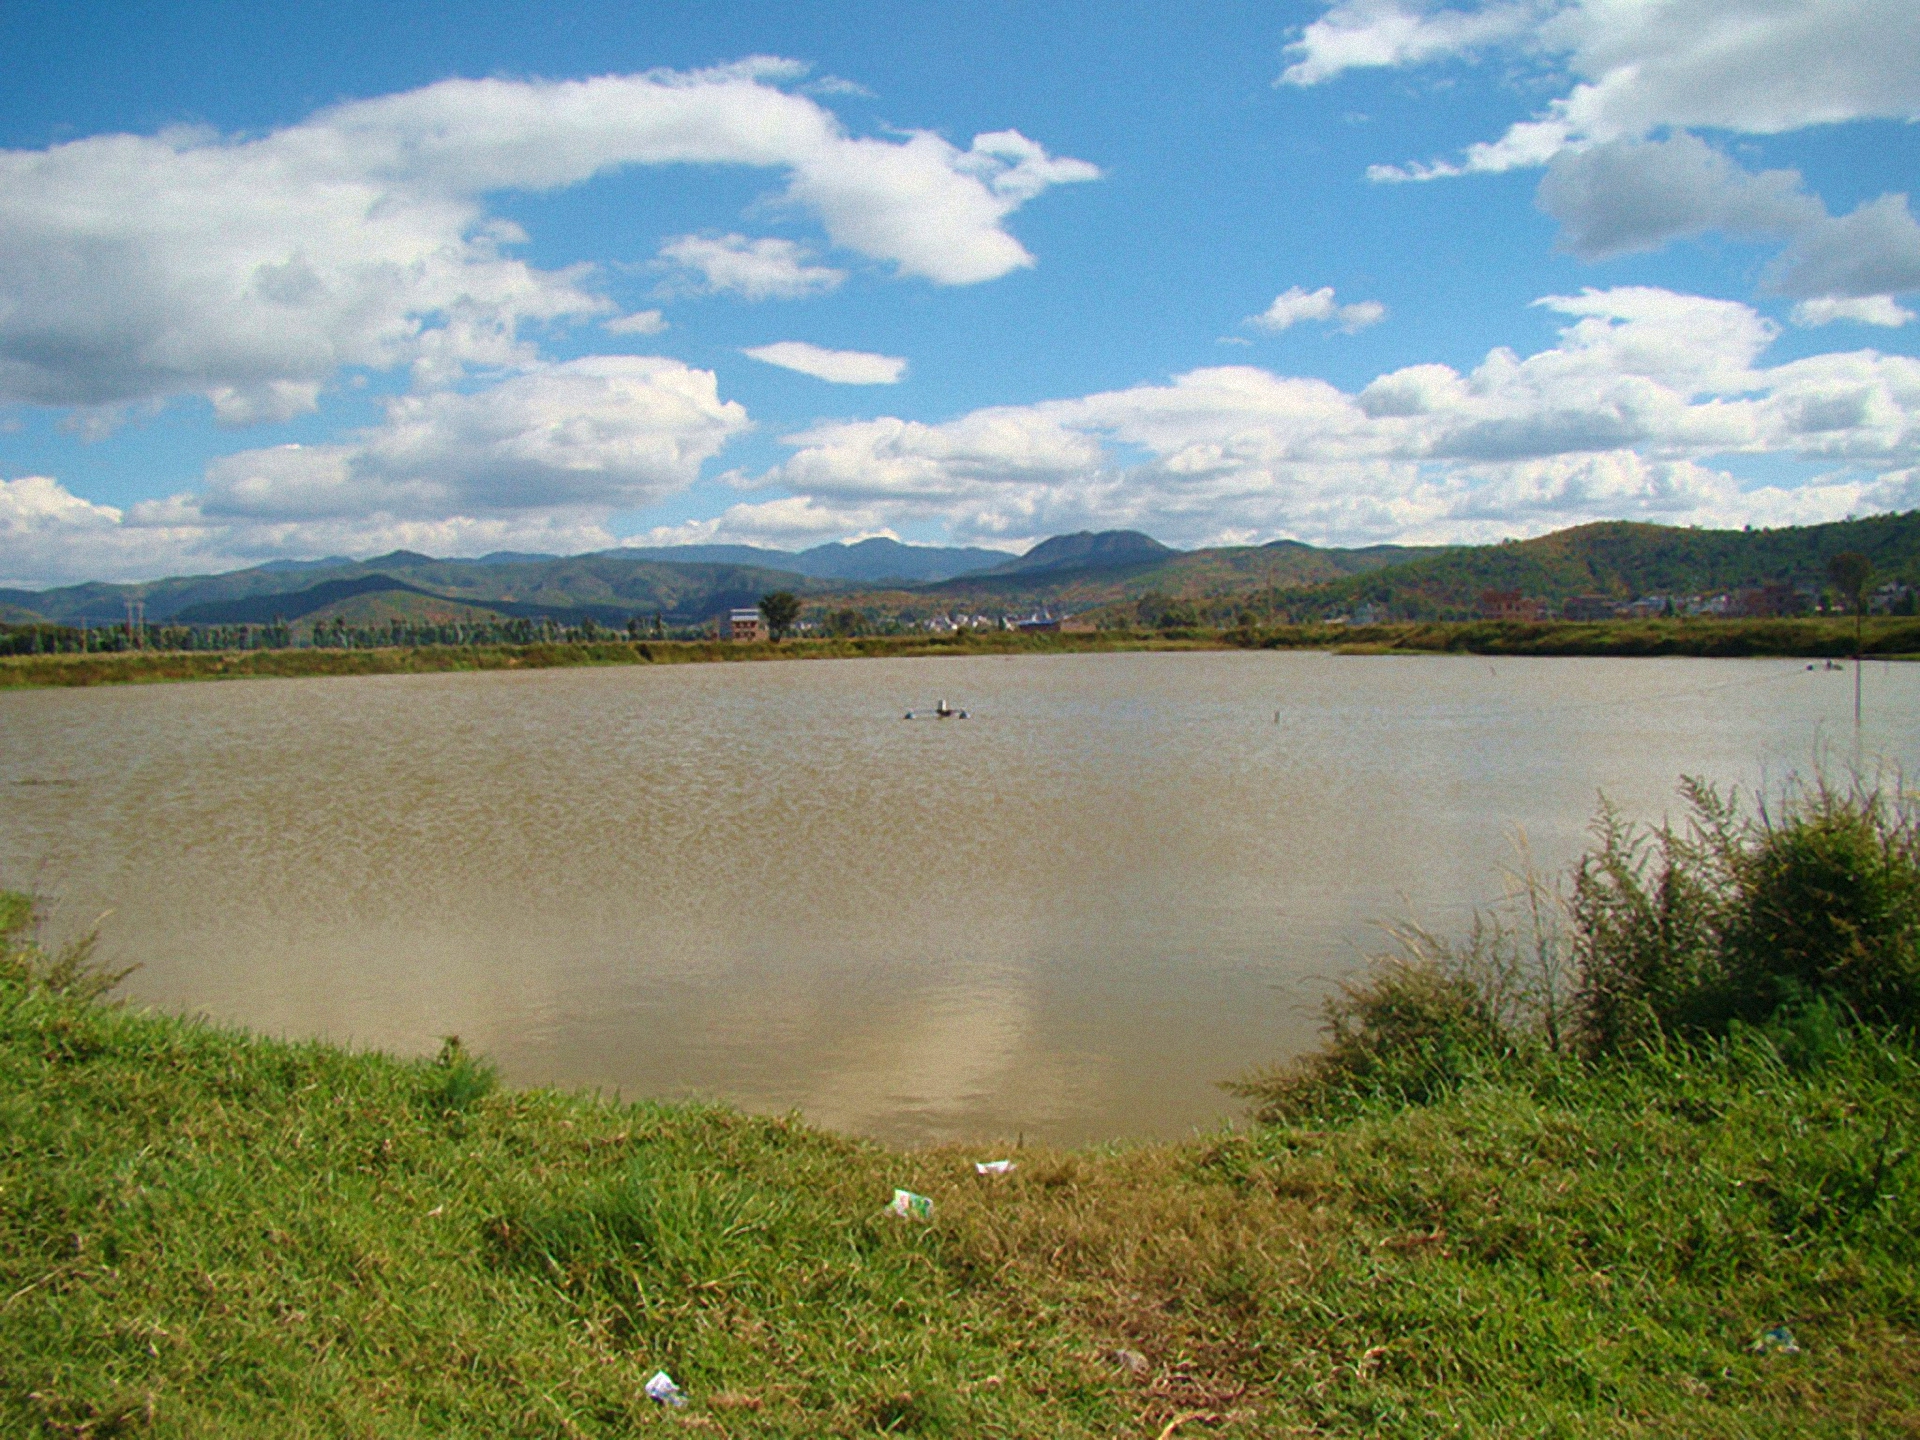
(1120, 880)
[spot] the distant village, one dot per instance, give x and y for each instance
(747, 624)
(1760, 602)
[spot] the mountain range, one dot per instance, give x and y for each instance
(1117, 570)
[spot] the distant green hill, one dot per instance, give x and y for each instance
(292, 605)
(1088, 550)
(1281, 565)
(608, 587)
(1624, 560)
(1090, 575)
(372, 609)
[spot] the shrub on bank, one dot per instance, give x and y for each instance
(1802, 920)
(1684, 931)
(1829, 905)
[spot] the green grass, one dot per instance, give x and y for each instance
(1884, 639)
(207, 1233)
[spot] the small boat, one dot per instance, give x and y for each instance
(941, 711)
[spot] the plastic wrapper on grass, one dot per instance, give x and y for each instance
(909, 1206)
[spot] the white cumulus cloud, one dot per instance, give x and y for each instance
(842, 367)
(1624, 170)
(72, 540)
(605, 432)
(1363, 34)
(766, 269)
(1865, 310)
(1637, 411)
(251, 270)
(540, 460)
(37, 504)
(1294, 305)
(793, 522)
(640, 322)
(1756, 67)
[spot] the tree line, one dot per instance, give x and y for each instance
(335, 634)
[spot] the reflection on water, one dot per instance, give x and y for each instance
(1122, 879)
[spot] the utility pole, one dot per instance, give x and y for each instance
(1851, 570)
(1859, 605)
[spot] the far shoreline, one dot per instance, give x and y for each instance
(1882, 638)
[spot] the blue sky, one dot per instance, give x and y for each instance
(339, 278)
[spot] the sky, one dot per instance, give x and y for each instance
(340, 278)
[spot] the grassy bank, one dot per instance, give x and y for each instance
(1885, 638)
(135, 667)
(1448, 1226)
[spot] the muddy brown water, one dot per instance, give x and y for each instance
(1119, 880)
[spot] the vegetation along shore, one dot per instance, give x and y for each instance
(1636, 1156)
(1882, 638)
